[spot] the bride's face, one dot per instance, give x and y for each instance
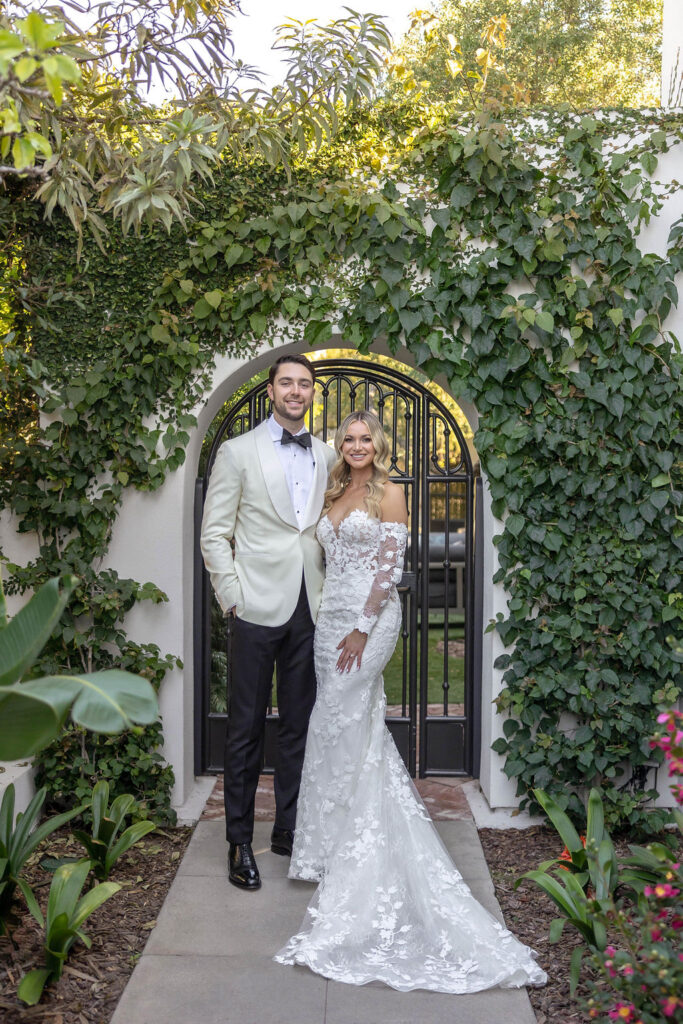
(357, 448)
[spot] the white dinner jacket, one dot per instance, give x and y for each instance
(248, 501)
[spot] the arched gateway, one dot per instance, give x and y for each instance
(433, 681)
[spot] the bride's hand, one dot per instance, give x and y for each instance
(351, 647)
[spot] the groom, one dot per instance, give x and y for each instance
(265, 495)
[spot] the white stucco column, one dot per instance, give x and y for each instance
(672, 51)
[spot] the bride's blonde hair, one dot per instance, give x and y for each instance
(341, 471)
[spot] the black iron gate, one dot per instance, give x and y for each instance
(432, 682)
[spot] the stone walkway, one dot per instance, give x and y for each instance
(444, 798)
(208, 960)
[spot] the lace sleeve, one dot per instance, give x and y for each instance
(392, 546)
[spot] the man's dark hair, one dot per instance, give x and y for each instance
(301, 360)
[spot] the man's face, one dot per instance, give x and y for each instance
(291, 393)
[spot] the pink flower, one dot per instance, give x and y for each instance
(669, 1006)
(656, 935)
(663, 717)
(663, 891)
(622, 1011)
(627, 970)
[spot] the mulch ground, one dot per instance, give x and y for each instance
(528, 913)
(93, 980)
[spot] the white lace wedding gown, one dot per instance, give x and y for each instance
(390, 906)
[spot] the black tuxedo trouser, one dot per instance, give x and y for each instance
(256, 650)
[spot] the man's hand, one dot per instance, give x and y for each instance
(351, 647)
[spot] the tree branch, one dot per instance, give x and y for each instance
(27, 172)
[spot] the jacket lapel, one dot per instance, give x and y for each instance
(274, 476)
(315, 498)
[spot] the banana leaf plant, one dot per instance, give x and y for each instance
(103, 847)
(66, 913)
(34, 712)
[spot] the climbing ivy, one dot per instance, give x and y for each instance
(501, 254)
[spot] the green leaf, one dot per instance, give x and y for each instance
(40, 33)
(159, 333)
(233, 254)
(575, 969)
(23, 153)
(462, 195)
(32, 984)
(31, 902)
(202, 309)
(32, 713)
(525, 245)
(661, 480)
(213, 298)
(317, 331)
(496, 467)
(91, 901)
(409, 320)
(616, 316)
(54, 86)
(22, 639)
(392, 274)
(514, 524)
(565, 829)
(258, 322)
(545, 321)
(24, 68)
(556, 929)
(133, 834)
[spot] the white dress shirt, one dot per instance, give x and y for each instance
(299, 466)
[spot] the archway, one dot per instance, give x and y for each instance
(433, 681)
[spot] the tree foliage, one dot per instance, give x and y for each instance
(81, 131)
(535, 52)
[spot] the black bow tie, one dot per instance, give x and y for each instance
(304, 440)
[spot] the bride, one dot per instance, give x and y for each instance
(390, 904)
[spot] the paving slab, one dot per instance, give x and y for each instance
(207, 853)
(209, 958)
(377, 1004)
(462, 841)
(204, 917)
(220, 990)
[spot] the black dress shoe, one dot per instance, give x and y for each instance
(242, 867)
(282, 840)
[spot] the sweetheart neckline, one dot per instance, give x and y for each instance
(336, 529)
